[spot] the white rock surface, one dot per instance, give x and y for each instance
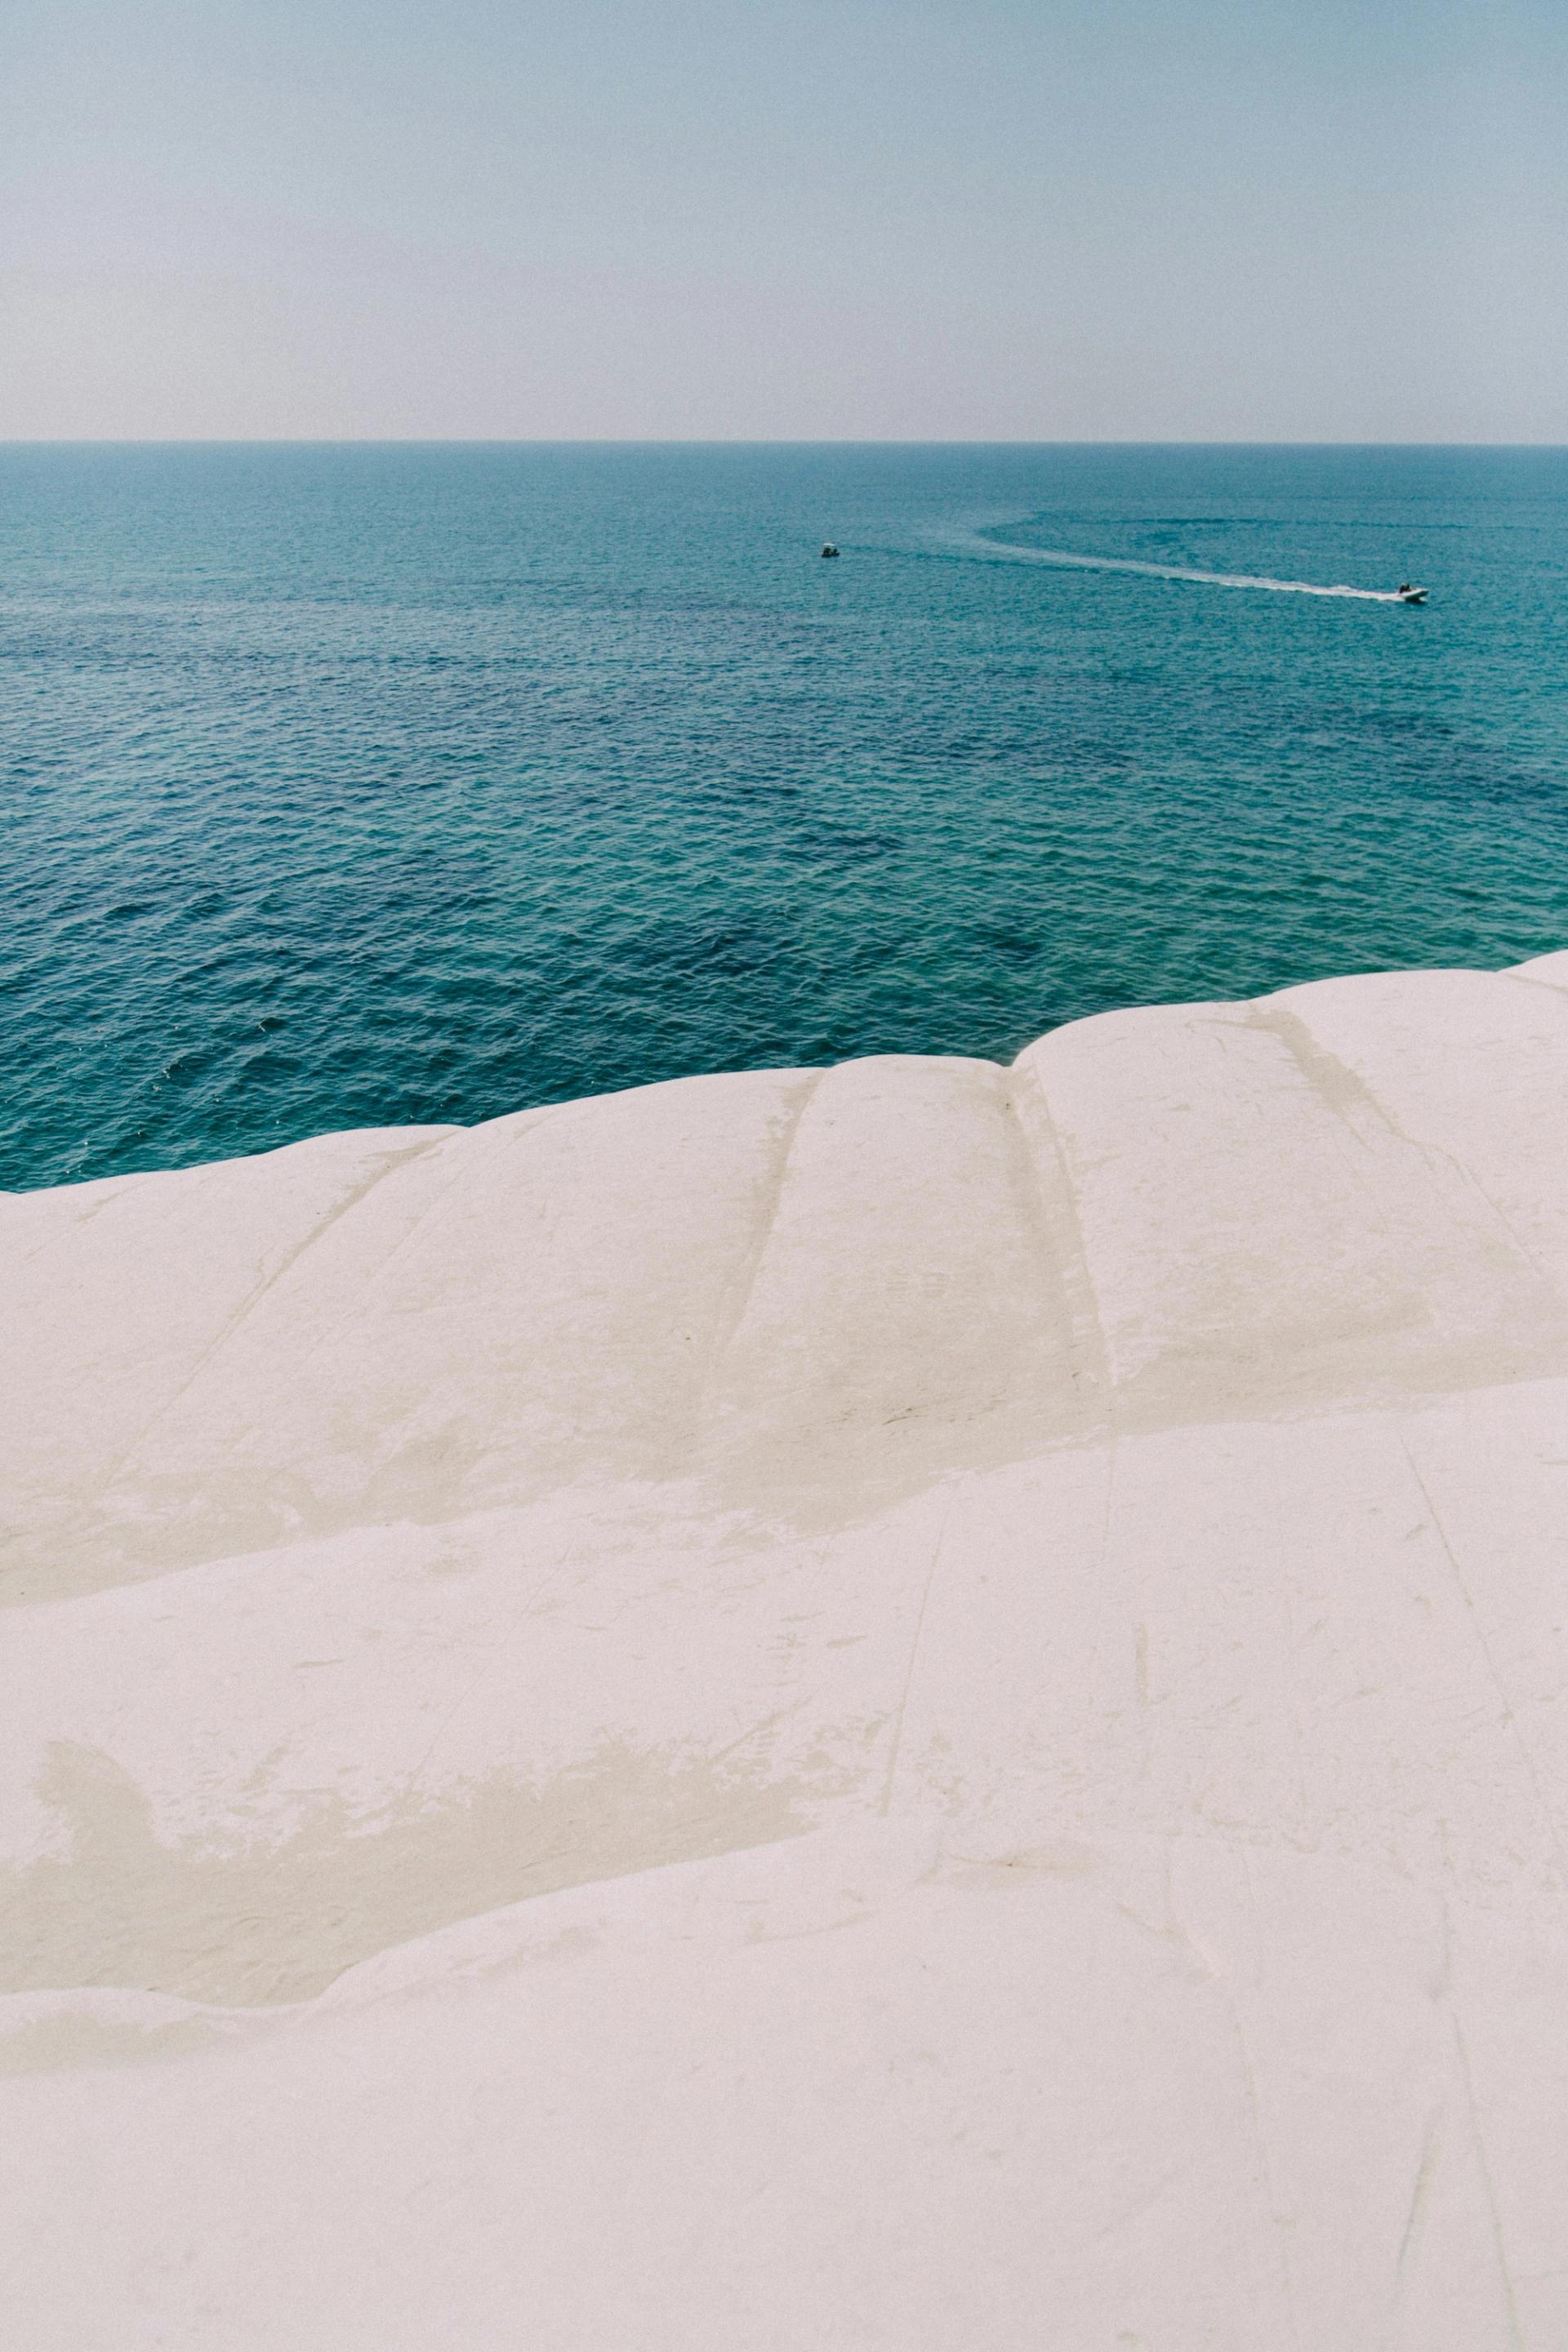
(922, 1705)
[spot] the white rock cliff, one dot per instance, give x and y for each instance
(918, 1705)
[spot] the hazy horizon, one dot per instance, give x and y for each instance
(705, 441)
(1157, 222)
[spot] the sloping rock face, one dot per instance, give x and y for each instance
(918, 1705)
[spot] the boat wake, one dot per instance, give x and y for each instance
(1002, 551)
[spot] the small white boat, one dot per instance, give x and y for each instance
(1407, 594)
(830, 548)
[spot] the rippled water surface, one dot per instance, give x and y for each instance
(352, 786)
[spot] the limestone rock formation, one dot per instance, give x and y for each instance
(917, 1706)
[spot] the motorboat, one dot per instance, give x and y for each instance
(829, 549)
(1407, 594)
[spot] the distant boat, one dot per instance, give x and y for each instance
(829, 549)
(1409, 596)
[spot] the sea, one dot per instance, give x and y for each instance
(350, 785)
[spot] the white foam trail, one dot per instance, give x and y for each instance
(1061, 557)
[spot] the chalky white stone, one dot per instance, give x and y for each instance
(918, 1705)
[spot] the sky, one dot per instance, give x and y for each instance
(1256, 220)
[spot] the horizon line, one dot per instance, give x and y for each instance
(710, 441)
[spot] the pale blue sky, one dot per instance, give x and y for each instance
(1328, 220)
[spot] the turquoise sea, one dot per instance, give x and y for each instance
(348, 785)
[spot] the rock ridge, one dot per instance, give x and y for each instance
(923, 1703)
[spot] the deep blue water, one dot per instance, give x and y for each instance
(346, 785)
